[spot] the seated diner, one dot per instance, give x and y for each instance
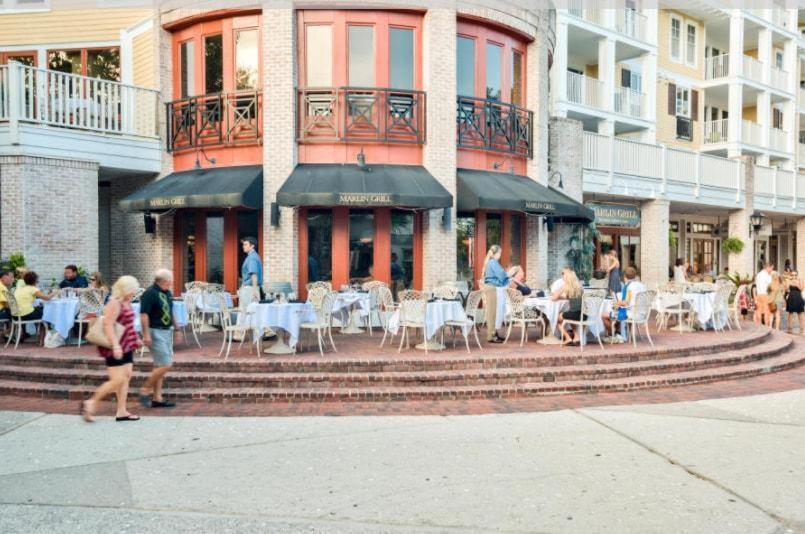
(570, 289)
(623, 303)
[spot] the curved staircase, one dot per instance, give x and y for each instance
(370, 374)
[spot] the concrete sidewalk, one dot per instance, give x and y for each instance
(727, 465)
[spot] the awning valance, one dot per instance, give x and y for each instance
(348, 185)
(487, 190)
(216, 187)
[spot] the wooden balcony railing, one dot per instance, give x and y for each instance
(360, 114)
(492, 125)
(216, 119)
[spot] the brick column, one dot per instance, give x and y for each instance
(739, 225)
(654, 226)
(439, 154)
(280, 250)
(799, 253)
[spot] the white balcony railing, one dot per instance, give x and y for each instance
(802, 97)
(778, 79)
(629, 102)
(630, 22)
(751, 133)
(752, 69)
(764, 180)
(716, 131)
(717, 67)
(779, 17)
(585, 90)
(41, 96)
(784, 188)
(577, 9)
(778, 139)
(802, 154)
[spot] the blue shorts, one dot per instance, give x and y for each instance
(162, 347)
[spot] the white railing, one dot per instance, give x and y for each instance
(630, 22)
(779, 79)
(716, 131)
(629, 102)
(802, 154)
(590, 15)
(764, 181)
(778, 139)
(681, 165)
(634, 158)
(585, 90)
(802, 96)
(751, 133)
(596, 151)
(801, 186)
(779, 17)
(717, 172)
(752, 69)
(717, 67)
(42, 96)
(785, 184)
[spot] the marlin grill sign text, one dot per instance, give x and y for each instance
(365, 199)
(541, 207)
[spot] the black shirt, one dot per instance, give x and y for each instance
(158, 305)
(77, 282)
(522, 288)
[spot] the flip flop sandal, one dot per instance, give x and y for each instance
(128, 418)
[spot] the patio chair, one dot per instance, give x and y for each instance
(138, 294)
(590, 314)
(196, 285)
(90, 306)
(327, 285)
(734, 310)
(471, 310)
(316, 294)
(671, 302)
(721, 308)
(17, 324)
(445, 292)
(323, 323)
(639, 314)
(189, 299)
(230, 328)
(385, 309)
(522, 315)
(413, 307)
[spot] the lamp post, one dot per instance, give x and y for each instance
(756, 222)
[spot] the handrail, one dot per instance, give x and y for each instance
(493, 125)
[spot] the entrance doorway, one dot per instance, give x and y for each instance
(626, 241)
(702, 255)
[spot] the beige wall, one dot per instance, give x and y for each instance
(591, 71)
(749, 113)
(664, 61)
(666, 124)
(143, 59)
(67, 26)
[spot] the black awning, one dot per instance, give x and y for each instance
(348, 185)
(487, 190)
(216, 187)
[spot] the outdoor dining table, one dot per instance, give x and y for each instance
(61, 313)
(552, 308)
(348, 306)
(437, 313)
(702, 304)
(281, 317)
(208, 302)
(179, 313)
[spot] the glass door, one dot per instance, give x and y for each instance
(215, 247)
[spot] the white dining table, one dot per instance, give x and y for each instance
(437, 313)
(281, 317)
(703, 305)
(61, 313)
(350, 305)
(552, 308)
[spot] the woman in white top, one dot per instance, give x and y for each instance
(679, 271)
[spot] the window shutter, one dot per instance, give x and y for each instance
(694, 105)
(626, 78)
(672, 99)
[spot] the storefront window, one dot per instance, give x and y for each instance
(248, 226)
(517, 79)
(319, 245)
(465, 66)
(319, 47)
(215, 248)
(494, 70)
(187, 66)
(401, 60)
(361, 244)
(494, 231)
(361, 56)
(246, 59)
(213, 64)
(630, 251)
(516, 240)
(104, 64)
(465, 247)
(402, 250)
(189, 246)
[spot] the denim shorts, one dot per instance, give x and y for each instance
(162, 347)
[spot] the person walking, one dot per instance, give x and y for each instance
(158, 325)
(794, 305)
(614, 273)
(120, 358)
(762, 281)
(251, 271)
(494, 277)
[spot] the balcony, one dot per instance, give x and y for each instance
(801, 154)
(751, 133)
(55, 114)
(778, 140)
(630, 22)
(630, 102)
(802, 97)
(493, 125)
(590, 15)
(219, 119)
(752, 69)
(585, 90)
(716, 131)
(717, 67)
(778, 79)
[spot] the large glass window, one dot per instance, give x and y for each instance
(104, 64)
(319, 48)
(187, 64)
(494, 70)
(401, 58)
(248, 226)
(494, 231)
(676, 39)
(517, 79)
(465, 247)
(402, 250)
(361, 244)
(68, 61)
(516, 240)
(690, 45)
(215, 247)
(465, 66)
(189, 246)
(246, 60)
(319, 245)
(213, 64)
(361, 56)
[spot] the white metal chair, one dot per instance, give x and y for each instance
(671, 302)
(590, 314)
(734, 310)
(327, 285)
(196, 285)
(721, 308)
(639, 314)
(471, 310)
(323, 323)
(90, 306)
(445, 292)
(189, 299)
(241, 326)
(385, 309)
(522, 315)
(413, 307)
(17, 324)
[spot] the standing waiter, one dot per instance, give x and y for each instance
(252, 270)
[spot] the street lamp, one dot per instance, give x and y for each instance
(756, 222)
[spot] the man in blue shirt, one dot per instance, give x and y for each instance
(252, 270)
(72, 279)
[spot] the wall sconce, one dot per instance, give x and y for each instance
(211, 161)
(447, 218)
(756, 222)
(555, 180)
(275, 214)
(497, 164)
(362, 162)
(150, 223)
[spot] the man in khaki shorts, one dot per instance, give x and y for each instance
(762, 281)
(158, 324)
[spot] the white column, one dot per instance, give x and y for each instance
(764, 52)
(790, 112)
(559, 68)
(650, 90)
(606, 70)
(736, 44)
(654, 256)
(764, 118)
(735, 106)
(799, 259)
(790, 64)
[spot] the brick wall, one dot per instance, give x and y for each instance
(49, 213)
(105, 228)
(654, 226)
(799, 253)
(739, 224)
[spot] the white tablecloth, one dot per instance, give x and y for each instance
(500, 313)
(287, 316)
(436, 315)
(208, 302)
(179, 313)
(552, 308)
(702, 304)
(61, 313)
(346, 302)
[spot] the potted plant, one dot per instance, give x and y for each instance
(732, 245)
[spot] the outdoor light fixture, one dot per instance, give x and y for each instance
(553, 181)
(756, 222)
(362, 162)
(447, 216)
(150, 223)
(275, 214)
(211, 161)
(497, 164)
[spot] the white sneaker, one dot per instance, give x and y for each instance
(619, 338)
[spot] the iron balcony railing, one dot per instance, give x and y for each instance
(493, 125)
(361, 114)
(215, 119)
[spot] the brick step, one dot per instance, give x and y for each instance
(436, 378)
(405, 362)
(786, 360)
